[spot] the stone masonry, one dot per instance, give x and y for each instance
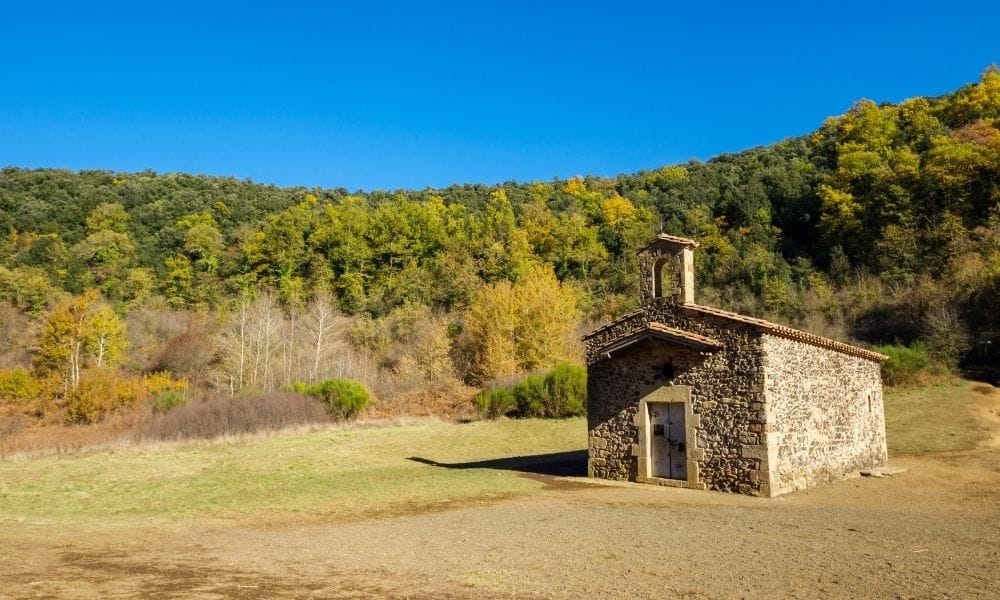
(767, 409)
(824, 426)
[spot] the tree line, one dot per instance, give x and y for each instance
(883, 225)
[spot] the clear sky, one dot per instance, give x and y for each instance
(384, 95)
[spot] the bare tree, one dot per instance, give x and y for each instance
(264, 348)
(325, 329)
(247, 345)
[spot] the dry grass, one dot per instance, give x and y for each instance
(449, 399)
(218, 416)
(325, 474)
(32, 440)
(208, 418)
(227, 415)
(937, 418)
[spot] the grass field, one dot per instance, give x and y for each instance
(334, 474)
(288, 477)
(935, 419)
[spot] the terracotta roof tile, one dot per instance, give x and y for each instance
(789, 332)
(668, 238)
(687, 335)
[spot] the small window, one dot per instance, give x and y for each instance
(668, 370)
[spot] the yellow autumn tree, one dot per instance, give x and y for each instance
(617, 211)
(840, 213)
(80, 332)
(510, 328)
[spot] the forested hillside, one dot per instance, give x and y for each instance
(882, 226)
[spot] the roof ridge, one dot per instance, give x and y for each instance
(790, 332)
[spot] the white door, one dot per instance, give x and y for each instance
(667, 448)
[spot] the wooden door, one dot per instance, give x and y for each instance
(667, 447)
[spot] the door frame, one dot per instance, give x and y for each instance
(664, 394)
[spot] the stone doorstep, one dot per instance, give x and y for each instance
(599, 481)
(676, 483)
(645, 483)
(886, 471)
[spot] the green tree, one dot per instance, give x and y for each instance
(568, 241)
(107, 252)
(28, 288)
(191, 277)
(498, 246)
(203, 242)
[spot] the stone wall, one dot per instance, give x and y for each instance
(726, 393)
(825, 413)
(614, 387)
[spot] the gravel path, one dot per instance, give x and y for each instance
(931, 532)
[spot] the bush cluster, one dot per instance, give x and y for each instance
(168, 400)
(101, 392)
(562, 392)
(495, 402)
(17, 385)
(98, 393)
(909, 365)
(343, 398)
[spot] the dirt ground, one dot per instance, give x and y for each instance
(931, 532)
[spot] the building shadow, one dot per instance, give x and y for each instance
(561, 464)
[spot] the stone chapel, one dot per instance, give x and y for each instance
(692, 396)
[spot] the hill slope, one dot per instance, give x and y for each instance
(883, 225)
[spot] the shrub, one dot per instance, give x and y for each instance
(227, 415)
(158, 382)
(168, 400)
(343, 398)
(18, 385)
(101, 392)
(186, 355)
(562, 392)
(16, 336)
(905, 363)
(567, 390)
(495, 402)
(532, 397)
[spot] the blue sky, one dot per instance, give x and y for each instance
(385, 95)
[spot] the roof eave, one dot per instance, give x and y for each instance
(673, 239)
(669, 335)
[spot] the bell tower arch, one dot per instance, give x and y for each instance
(667, 265)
